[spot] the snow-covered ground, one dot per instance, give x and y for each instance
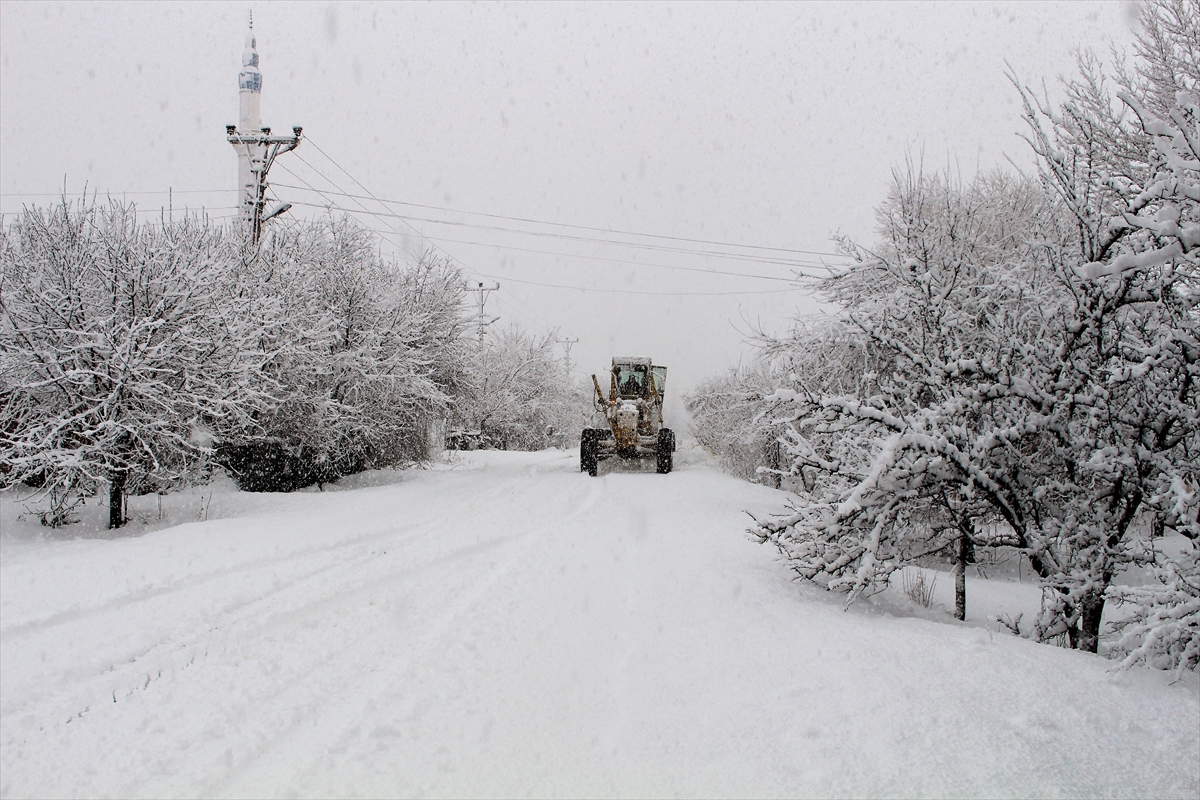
(503, 625)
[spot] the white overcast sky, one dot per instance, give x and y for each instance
(774, 125)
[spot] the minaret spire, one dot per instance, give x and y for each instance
(255, 146)
(250, 85)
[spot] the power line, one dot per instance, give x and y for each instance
(329, 158)
(204, 212)
(591, 240)
(326, 194)
(624, 261)
(406, 222)
(345, 172)
(168, 191)
(613, 260)
(186, 209)
(550, 325)
(183, 209)
(590, 228)
(384, 202)
(332, 203)
(639, 292)
(364, 208)
(367, 211)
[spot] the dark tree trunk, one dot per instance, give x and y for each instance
(960, 577)
(775, 453)
(1089, 623)
(1085, 633)
(116, 499)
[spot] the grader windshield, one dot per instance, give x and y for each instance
(631, 380)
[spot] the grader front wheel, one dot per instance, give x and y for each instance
(588, 444)
(665, 451)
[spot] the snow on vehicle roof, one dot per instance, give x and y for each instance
(643, 362)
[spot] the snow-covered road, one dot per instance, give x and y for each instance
(511, 627)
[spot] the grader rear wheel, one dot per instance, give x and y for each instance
(665, 452)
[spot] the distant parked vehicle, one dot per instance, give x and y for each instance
(459, 439)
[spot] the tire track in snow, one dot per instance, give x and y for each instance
(260, 609)
(261, 615)
(239, 635)
(198, 580)
(272, 765)
(205, 583)
(421, 668)
(240, 606)
(406, 710)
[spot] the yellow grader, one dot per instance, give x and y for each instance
(633, 411)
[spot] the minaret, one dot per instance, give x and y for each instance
(249, 120)
(256, 148)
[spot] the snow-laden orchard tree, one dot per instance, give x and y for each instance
(119, 351)
(727, 420)
(133, 353)
(518, 394)
(886, 406)
(1042, 355)
(1128, 174)
(361, 355)
(735, 415)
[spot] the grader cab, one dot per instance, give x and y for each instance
(633, 414)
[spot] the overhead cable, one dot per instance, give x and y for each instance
(785, 262)
(331, 160)
(595, 229)
(167, 191)
(640, 292)
(793, 279)
(334, 205)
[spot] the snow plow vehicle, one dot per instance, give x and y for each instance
(633, 413)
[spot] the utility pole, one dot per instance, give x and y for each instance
(260, 149)
(255, 146)
(481, 295)
(566, 343)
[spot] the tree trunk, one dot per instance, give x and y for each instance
(1085, 633)
(116, 498)
(1089, 623)
(774, 452)
(960, 578)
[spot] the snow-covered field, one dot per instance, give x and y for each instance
(503, 625)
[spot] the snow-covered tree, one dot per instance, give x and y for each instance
(117, 351)
(1042, 356)
(519, 396)
(727, 420)
(883, 403)
(735, 415)
(1129, 175)
(133, 353)
(361, 355)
